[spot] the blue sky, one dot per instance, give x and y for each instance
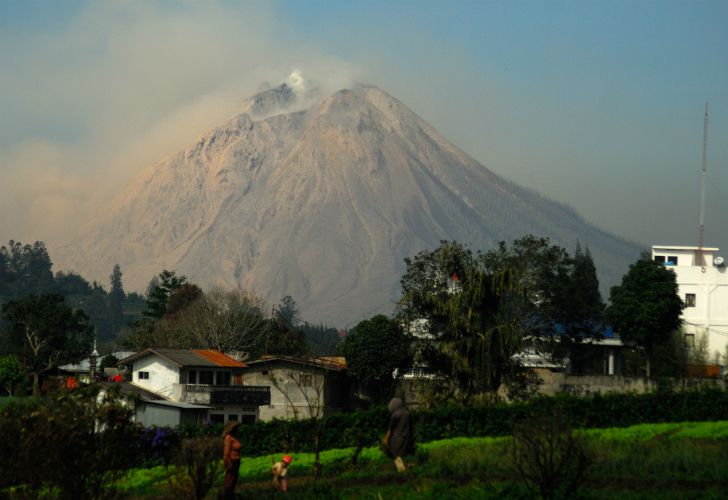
(598, 104)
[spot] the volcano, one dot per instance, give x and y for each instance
(321, 200)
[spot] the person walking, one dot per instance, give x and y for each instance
(399, 440)
(231, 459)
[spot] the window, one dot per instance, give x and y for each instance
(192, 377)
(248, 419)
(143, 375)
(217, 419)
(660, 259)
(223, 378)
(671, 260)
(305, 380)
(689, 340)
(689, 300)
(232, 418)
(206, 377)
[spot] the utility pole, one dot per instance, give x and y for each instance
(701, 240)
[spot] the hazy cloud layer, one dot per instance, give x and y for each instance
(123, 86)
(597, 104)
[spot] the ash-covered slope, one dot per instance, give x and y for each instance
(322, 204)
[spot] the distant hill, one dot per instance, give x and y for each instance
(321, 201)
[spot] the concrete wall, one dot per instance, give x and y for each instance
(558, 382)
(709, 283)
(287, 398)
(162, 374)
(161, 416)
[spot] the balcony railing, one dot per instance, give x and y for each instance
(253, 395)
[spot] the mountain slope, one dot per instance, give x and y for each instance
(322, 203)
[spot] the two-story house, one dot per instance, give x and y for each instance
(185, 385)
(302, 387)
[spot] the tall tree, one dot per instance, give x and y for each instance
(45, 333)
(26, 269)
(116, 301)
(287, 311)
(645, 308)
(159, 295)
(456, 305)
(224, 320)
(376, 350)
(558, 297)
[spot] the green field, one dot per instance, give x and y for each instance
(676, 460)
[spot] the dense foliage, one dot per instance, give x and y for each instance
(555, 297)
(45, 333)
(75, 442)
(455, 307)
(375, 350)
(366, 428)
(645, 308)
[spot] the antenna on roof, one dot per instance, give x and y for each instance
(702, 187)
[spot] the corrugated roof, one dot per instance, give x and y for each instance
(219, 358)
(188, 357)
(327, 362)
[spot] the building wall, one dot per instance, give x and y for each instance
(162, 374)
(709, 284)
(287, 398)
(559, 382)
(156, 415)
(243, 414)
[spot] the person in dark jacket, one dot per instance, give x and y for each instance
(399, 440)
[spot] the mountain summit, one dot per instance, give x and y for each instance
(322, 203)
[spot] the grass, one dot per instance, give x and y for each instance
(643, 461)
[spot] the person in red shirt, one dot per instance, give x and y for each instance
(231, 459)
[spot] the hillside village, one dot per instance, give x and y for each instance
(175, 386)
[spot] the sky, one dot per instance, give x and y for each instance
(597, 104)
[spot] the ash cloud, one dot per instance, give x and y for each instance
(122, 86)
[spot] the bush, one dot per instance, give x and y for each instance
(75, 443)
(550, 458)
(197, 464)
(366, 428)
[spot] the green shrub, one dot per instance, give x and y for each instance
(549, 456)
(197, 465)
(365, 428)
(74, 442)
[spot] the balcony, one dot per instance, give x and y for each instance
(251, 395)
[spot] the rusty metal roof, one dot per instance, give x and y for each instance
(188, 357)
(337, 363)
(219, 358)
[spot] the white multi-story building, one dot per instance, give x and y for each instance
(703, 286)
(188, 386)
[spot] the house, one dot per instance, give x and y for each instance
(703, 286)
(184, 385)
(301, 387)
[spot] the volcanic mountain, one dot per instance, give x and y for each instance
(320, 201)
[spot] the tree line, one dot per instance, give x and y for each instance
(465, 318)
(47, 321)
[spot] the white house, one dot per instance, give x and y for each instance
(703, 286)
(189, 383)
